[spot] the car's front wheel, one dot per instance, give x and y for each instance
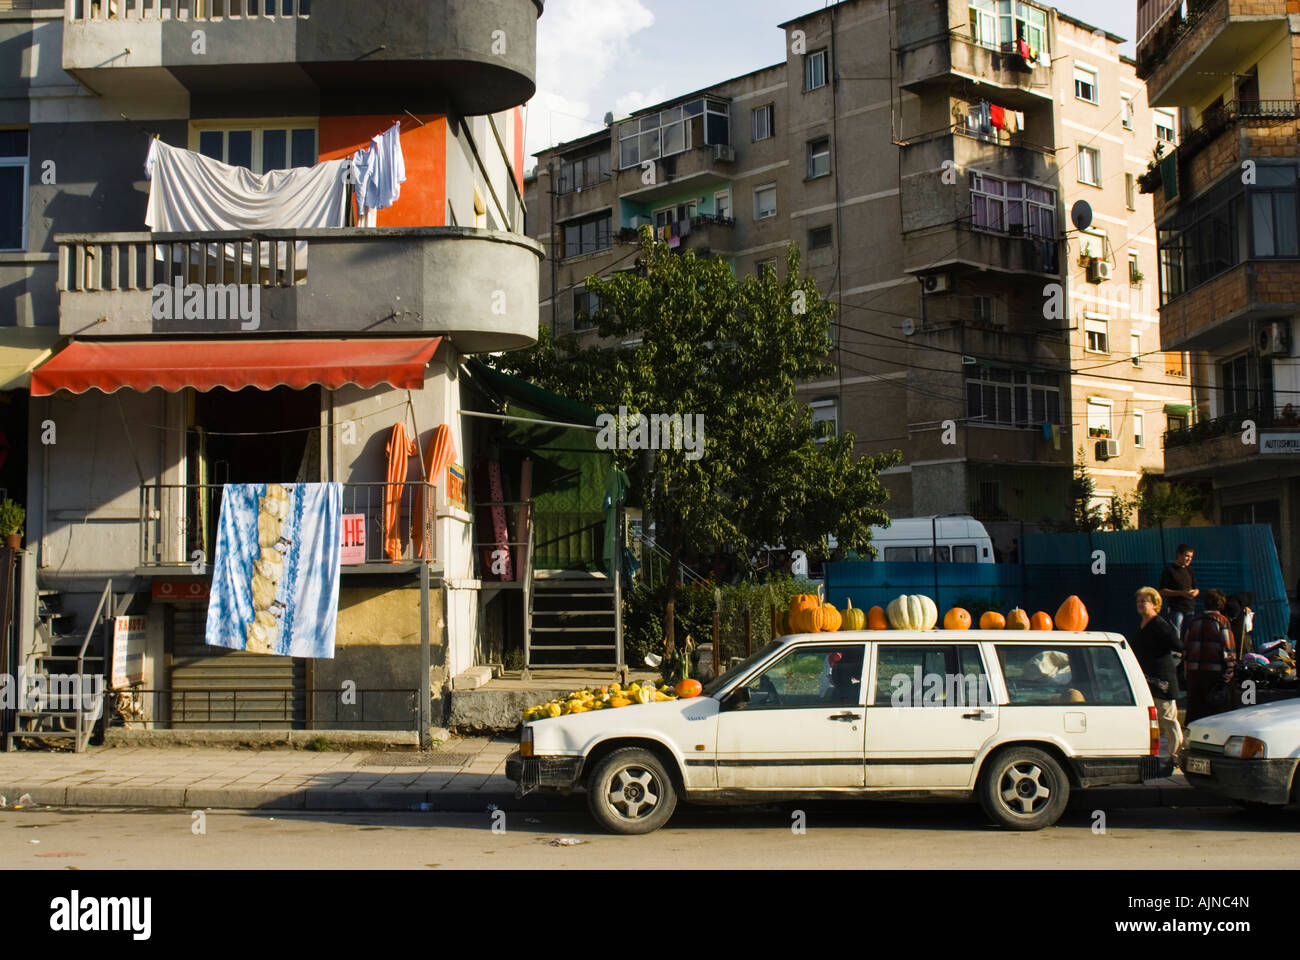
(630, 792)
(1023, 788)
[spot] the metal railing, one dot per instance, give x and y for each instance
(154, 10)
(176, 520)
(1233, 423)
(140, 261)
(297, 706)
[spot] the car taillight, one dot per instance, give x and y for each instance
(526, 741)
(1155, 731)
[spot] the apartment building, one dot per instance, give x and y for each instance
(1125, 391)
(923, 156)
(140, 416)
(1226, 219)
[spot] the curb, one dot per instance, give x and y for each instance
(317, 799)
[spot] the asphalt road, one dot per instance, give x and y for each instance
(835, 836)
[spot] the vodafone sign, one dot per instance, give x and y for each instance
(181, 590)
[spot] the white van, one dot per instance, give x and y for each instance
(952, 539)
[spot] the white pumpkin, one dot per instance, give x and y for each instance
(912, 612)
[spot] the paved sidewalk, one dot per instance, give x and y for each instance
(462, 775)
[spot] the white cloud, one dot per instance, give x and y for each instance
(634, 100)
(578, 43)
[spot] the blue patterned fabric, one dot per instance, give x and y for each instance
(275, 576)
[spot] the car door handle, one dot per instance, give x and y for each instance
(977, 715)
(846, 716)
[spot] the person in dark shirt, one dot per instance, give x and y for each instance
(1211, 660)
(1155, 645)
(1178, 588)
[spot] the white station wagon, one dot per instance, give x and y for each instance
(1015, 718)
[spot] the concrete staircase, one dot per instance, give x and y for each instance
(574, 621)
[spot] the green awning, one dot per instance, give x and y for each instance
(531, 398)
(1178, 409)
(22, 350)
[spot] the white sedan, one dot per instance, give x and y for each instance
(1250, 755)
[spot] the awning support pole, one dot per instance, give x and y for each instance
(426, 694)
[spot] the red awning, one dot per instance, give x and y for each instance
(234, 364)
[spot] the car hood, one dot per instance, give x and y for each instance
(658, 720)
(1277, 724)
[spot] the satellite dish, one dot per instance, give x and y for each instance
(909, 327)
(1081, 215)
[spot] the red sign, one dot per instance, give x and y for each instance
(181, 590)
(354, 539)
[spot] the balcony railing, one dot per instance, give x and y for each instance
(178, 519)
(1163, 38)
(139, 261)
(197, 10)
(1232, 423)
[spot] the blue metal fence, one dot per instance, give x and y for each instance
(1234, 559)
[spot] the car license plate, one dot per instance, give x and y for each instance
(1198, 765)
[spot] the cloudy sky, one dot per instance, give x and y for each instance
(594, 56)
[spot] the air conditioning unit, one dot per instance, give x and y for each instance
(935, 283)
(724, 153)
(1098, 270)
(1274, 339)
(1107, 449)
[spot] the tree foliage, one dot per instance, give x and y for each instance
(681, 334)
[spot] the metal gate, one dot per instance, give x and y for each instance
(229, 689)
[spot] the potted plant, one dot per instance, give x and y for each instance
(12, 519)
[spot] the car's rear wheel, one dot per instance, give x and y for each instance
(630, 792)
(1023, 788)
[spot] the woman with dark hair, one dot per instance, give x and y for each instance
(1210, 659)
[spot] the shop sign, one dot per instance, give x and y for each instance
(1279, 443)
(165, 590)
(128, 651)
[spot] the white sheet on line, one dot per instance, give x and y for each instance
(189, 192)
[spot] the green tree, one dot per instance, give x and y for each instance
(1163, 500)
(1085, 512)
(692, 338)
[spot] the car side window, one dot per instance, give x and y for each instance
(930, 675)
(1038, 675)
(810, 677)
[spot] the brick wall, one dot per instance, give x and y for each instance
(1231, 293)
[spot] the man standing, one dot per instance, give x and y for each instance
(1210, 657)
(1178, 587)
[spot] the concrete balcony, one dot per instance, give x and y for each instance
(1221, 311)
(1017, 159)
(939, 60)
(704, 168)
(957, 246)
(479, 57)
(478, 287)
(1211, 446)
(1185, 60)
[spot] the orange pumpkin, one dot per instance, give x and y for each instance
(832, 619)
(804, 601)
(956, 619)
(992, 620)
(689, 688)
(1017, 619)
(1073, 615)
(1040, 621)
(810, 620)
(876, 619)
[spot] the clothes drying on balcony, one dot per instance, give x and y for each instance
(275, 575)
(189, 192)
(378, 174)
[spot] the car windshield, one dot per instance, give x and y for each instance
(717, 683)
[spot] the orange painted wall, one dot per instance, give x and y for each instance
(519, 148)
(424, 149)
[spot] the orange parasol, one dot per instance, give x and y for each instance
(437, 458)
(400, 450)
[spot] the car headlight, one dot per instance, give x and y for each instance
(1244, 748)
(526, 741)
